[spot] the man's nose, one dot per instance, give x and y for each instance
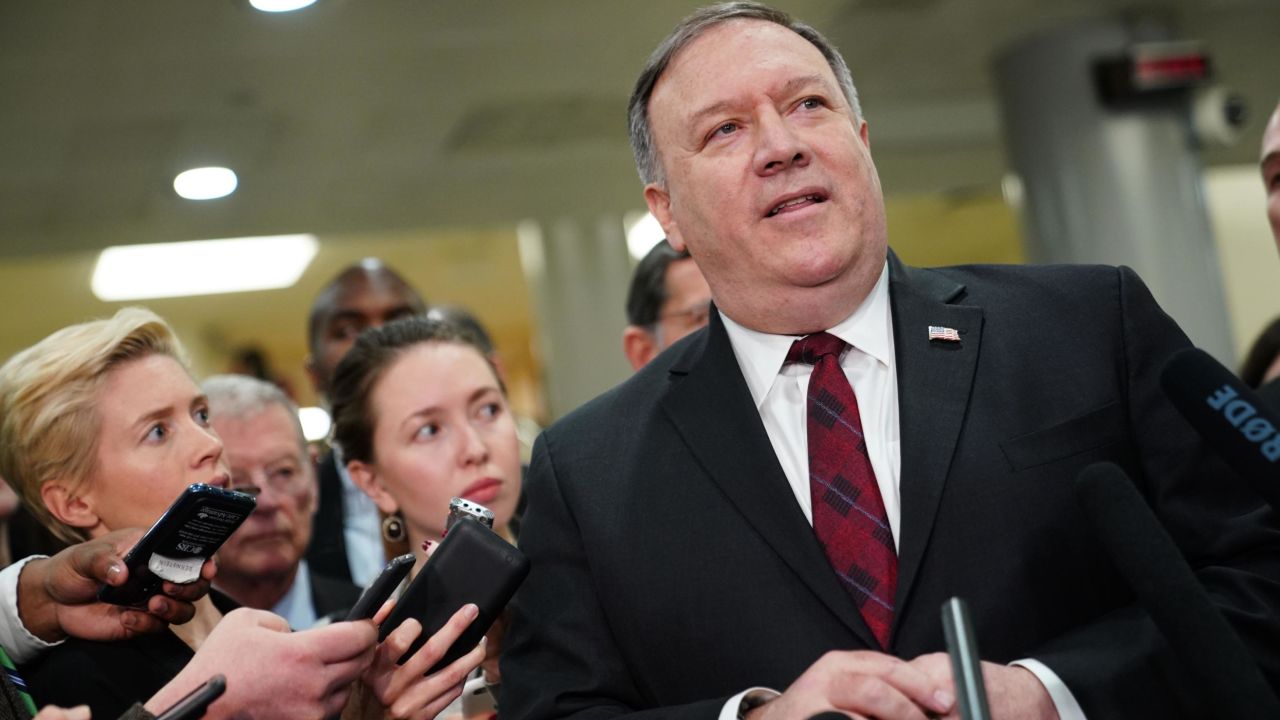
(778, 146)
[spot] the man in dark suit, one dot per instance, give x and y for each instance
(667, 300)
(347, 543)
(261, 565)
(694, 551)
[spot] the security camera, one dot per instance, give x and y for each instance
(1217, 115)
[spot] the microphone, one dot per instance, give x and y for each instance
(966, 666)
(1229, 415)
(1165, 585)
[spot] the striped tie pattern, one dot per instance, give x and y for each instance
(848, 513)
(16, 680)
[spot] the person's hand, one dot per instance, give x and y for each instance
(405, 690)
(58, 596)
(861, 684)
(53, 712)
(493, 648)
(1012, 691)
(273, 673)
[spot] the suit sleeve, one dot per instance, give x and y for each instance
(1119, 665)
(561, 660)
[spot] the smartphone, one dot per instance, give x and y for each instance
(196, 702)
(472, 565)
(175, 547)
(381, 588)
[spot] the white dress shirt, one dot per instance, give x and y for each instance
(361, 528)
(21, 645)
(296, 606)
(780, 394)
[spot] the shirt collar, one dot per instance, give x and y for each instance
(761, 355)
(296, 606)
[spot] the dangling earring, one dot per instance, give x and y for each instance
(393, 528)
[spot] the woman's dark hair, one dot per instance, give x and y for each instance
(361, 368)
(1261, 355)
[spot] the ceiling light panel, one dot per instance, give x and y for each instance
(201, 267)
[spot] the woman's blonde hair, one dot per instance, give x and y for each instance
(49, 393)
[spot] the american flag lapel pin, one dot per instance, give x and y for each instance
(944, 334)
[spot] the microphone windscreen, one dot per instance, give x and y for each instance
(1229, 415)
(1165, 585)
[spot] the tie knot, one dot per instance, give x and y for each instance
(811, 348)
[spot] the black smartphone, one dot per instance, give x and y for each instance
(472, 565)
(196, 702)
(175, 547)
(381, 588)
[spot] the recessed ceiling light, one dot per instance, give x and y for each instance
(643, 232)
(201, 267)
(205, 183)
(315, 423)
(274, 6)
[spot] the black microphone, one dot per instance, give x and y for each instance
(1165, 585)
(1229, 415)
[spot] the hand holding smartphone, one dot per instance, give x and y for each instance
(176, 546)
(471, 565)
(381, 588)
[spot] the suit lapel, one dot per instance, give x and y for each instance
(712, 410)
(934, 381)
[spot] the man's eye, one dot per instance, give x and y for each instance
(157, 433)
(811, 103)
(726, 129)
(344, 331)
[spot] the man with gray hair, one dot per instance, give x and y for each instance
(262, 564)
(766, 521)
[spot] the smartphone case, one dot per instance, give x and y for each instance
(381, 588)
(472, 565)
(195, 526)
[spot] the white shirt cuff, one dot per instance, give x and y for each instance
(21, 645)
(737, 705)
(1063, 700)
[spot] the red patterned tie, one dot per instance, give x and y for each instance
(848, 512)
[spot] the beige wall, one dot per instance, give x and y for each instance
(1250, 264)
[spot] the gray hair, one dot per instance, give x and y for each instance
(642, 144)
(240, 397)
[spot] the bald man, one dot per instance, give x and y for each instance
(347, 543)
(1271, 171)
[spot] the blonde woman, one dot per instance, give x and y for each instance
(101, 427)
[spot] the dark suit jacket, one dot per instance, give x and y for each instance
(1270, 394)
(327, 554)
(673, 568)
(331, 597)
(110, 677)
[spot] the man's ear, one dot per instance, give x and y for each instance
(312, 499)
(864, 134)
(69, 508)
(365, 476)
(314, 375)
(659, 202)
(639, 346)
